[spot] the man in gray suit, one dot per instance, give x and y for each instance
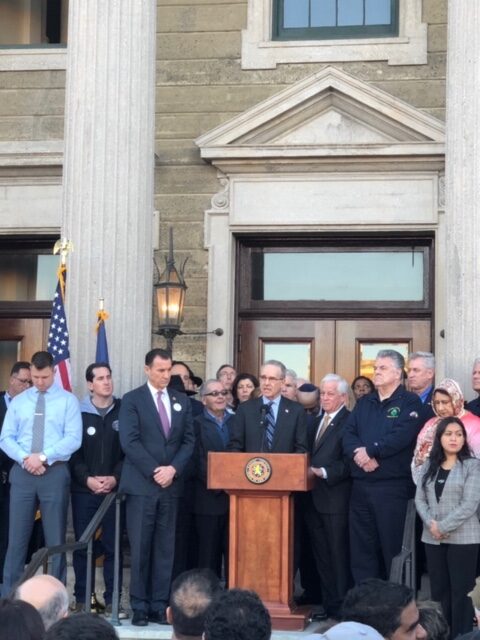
(156, 434)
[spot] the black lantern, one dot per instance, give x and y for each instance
(170, 291)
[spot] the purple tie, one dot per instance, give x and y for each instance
(162, 412)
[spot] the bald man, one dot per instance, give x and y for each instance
(48, 595)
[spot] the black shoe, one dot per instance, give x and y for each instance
(157, 616)
(139, 619)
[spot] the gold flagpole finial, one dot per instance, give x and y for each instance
(63, 247)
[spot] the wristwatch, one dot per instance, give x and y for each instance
(42, 458)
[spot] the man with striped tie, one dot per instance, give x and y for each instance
(270, 423)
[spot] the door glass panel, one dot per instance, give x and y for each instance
(368, 352)
(344, 275)
(9, 350)
(294, 355)
(27, 276)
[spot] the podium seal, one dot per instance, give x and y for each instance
(258, 470)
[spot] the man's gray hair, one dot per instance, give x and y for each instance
(276, 363)
(475, 362)
(342, 384)
(291, 373)
(426, 356)
(205, 386)
(397, 357)
(55, 609)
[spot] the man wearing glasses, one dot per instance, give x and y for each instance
(20, 379)
(270, 423)
(212, 433)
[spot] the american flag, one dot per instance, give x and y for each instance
(58, 334)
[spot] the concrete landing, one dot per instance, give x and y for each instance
(154, 631)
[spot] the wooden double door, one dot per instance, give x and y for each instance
(314, 348)
(19, 339)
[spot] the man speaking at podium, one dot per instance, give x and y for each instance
(270, 423)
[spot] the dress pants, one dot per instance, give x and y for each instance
(52, 492)
(329, 534)
(212, 536)
(84, 507)
(4, 511)
(151, 524)
(303, 554)
(452, 571)
(376, 519)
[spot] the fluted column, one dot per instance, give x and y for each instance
(462, 259)
(108, 180)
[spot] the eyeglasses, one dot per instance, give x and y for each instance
(23, 380)
(271, 379)
(215, 394)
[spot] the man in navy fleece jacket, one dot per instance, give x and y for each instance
(379, 438)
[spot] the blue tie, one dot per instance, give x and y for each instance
(270, 431)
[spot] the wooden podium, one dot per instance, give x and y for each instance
(261, 525)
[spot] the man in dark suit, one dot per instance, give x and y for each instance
(156, 434)
(212, 433)
(270, 423)
(20, 379)
(421, 375)
(328, 514)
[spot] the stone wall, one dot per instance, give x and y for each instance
(200, 84)
(31, 105)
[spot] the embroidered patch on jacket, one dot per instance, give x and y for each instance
(394, 412)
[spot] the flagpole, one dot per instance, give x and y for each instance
(58, 337)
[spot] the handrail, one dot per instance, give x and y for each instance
(403, 568)
(43, 555)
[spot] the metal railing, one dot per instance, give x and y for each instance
(403, 569)
(43, 557)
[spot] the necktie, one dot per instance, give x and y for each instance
(270, 430)
(38, 428)
(323, 427)
(162, 412)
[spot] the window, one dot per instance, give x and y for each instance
(334, 19)
(336, 275)
(305, 31)
(33, 23)
(28, 276)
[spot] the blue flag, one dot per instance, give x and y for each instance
(101, 354)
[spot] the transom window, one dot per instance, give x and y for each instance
(334, 19)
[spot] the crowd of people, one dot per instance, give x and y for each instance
(373, 445)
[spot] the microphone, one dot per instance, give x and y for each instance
(263, 413)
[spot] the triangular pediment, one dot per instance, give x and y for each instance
(330, 111)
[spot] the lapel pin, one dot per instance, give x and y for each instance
(286, 410)
(177, 406)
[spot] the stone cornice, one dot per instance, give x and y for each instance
(40, 153)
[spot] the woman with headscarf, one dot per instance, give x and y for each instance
(447, 401)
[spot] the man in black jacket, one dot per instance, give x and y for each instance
(379, 438)
(212, 433)
(96, 469)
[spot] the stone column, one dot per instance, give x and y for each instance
(462, 330)
(108, 181)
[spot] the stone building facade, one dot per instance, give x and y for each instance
(260, 147)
